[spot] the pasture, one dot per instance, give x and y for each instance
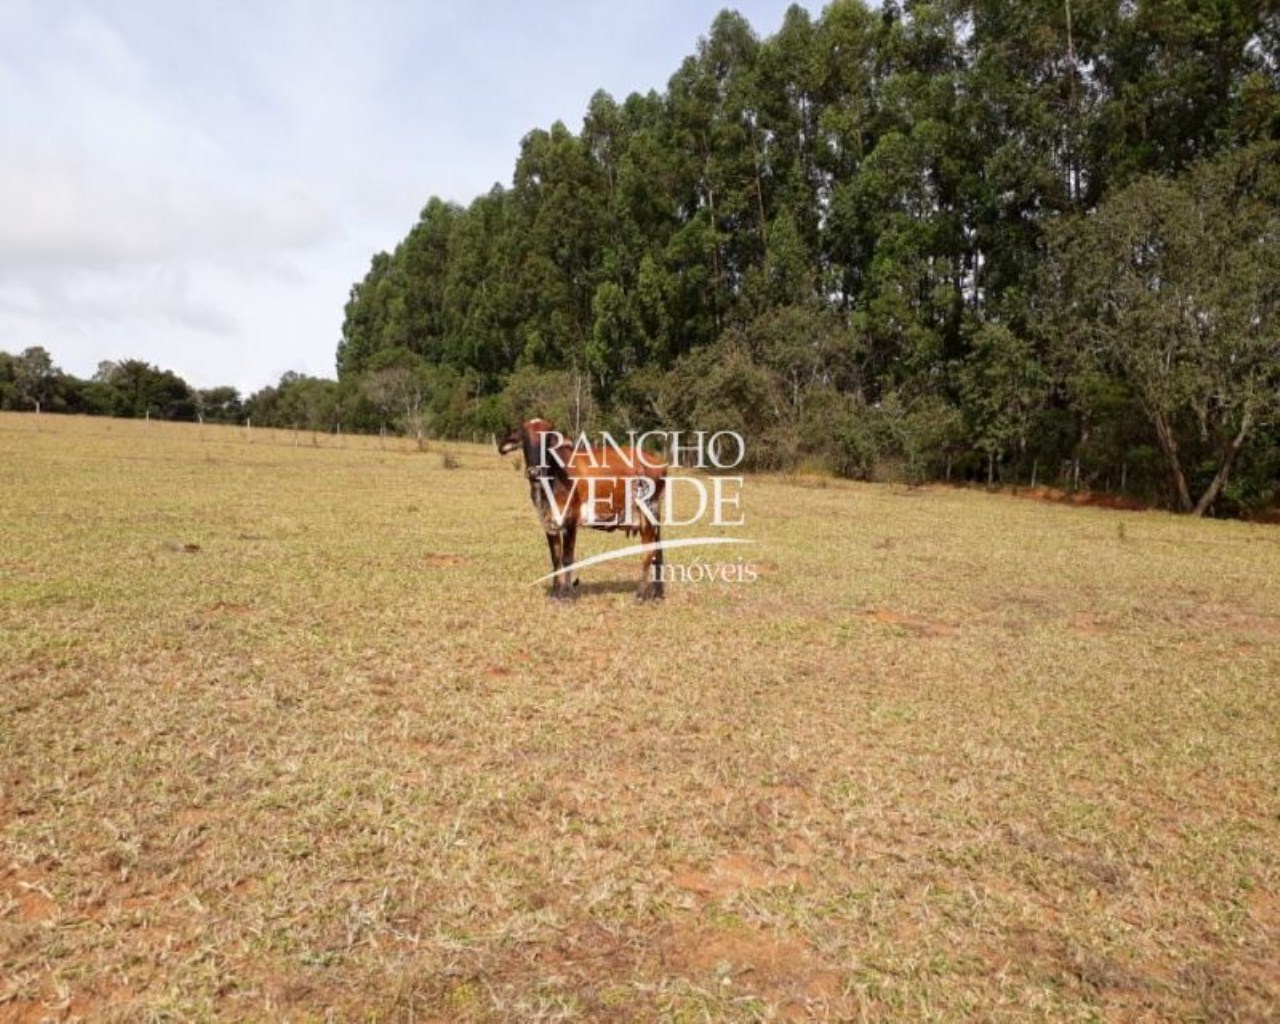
(286, 733)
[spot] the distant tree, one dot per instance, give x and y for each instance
(9, 397)
(614, 349)
(298, 402)
(220, 405)
(1003, 386)
(808, 348)
(722, 387)
(920, 431)
(1174, 286)
(396, 384)
(365, 314)
(555, 395)
(34, 376)
(142, 390)
(87, 397)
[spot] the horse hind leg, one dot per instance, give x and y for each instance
(651, 576)
(643, 518)
(657, 569)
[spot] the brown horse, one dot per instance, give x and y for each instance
(605, 488)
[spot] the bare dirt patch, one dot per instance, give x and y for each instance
(438, 558)
(1086, 624)
(24, 896)
(734, 873)
(1084, 499)
(745, 961)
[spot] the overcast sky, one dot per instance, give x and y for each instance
(198, 184)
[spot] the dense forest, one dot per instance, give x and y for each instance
(999, 240)
(1004, 241)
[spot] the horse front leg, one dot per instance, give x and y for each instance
(568, 553)
(556, 548)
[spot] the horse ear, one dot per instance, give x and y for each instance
(510, 443)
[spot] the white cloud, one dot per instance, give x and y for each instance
(133, 218)
(80, 217)
(199, 184)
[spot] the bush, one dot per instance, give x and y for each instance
(720, 387)
(560, 396)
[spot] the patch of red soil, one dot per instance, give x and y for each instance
(1264, 908)
(1088, 625)
(735, 873)
(791, 799)
(1089, 499)
(1270, 516)
(799, 850)
(22, 890)
(746, 960)
(435, 558)
(34, 904)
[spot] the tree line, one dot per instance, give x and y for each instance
(1013, 241)
(998, 240)
(30, 380)
(134, 389)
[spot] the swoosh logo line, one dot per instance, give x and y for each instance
(641, 549)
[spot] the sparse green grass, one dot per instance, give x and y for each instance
(287, 734)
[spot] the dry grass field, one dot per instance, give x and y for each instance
(287, 734)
